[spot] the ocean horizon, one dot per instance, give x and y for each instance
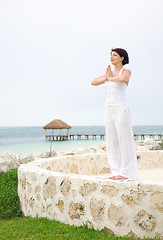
(31, 139)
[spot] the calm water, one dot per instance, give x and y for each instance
(31, 139)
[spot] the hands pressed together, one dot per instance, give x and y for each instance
(108, 72)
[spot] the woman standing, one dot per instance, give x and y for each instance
(120, 146)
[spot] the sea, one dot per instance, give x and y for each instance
(26, 140)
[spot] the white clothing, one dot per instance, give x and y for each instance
(120, 146)
(115, 92)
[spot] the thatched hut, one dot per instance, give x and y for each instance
(57, 124)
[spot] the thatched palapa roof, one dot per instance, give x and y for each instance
(57, 124)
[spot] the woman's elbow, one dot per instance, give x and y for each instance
(93, 83)
(122, 79)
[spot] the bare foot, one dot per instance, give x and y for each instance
(119, 178)
(112, 177)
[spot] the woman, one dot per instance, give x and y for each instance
(120, 146)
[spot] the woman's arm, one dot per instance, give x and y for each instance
(124, 77)
(99, 80)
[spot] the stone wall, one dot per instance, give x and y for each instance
(55, 188)
(96, 163)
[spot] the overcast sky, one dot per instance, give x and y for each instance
(51, 50)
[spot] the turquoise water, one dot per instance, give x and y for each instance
(32, 139)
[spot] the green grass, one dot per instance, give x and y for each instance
(43, 228)
(9, 200)
(14, 226)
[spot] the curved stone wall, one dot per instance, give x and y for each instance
(61, 188)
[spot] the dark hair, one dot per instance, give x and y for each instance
(122, 53)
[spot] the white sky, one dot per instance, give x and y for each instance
(51, 50)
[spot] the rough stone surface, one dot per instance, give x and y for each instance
(43, 208)
(25, 201)
(37, 192)
(145, 221)
(47, 154)
(133, 197)
(89, 224)
(87, 188)
(109, 190)
(49, 188)
(131, 235)
(132, 208)
(97, 209)
(105, 170)
(22, 159)
(60, 205)
(7, 161)
(29, 187)
(117, 216)
(23, 182)
(103, 146)
(157, 201)
(94, 169)
(31, 202)
(49, 210)
(76, 210)
(65, 186)
(74, 168)
(108, 231)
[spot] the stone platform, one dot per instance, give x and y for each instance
(76, 190)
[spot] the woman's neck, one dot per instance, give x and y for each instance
(118, 67)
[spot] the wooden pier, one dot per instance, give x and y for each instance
(94, 136)
(149, 135)
(75, 136)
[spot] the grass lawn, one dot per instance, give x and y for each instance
(43, 228)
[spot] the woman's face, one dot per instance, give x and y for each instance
(115, 58)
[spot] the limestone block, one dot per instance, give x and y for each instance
(89, 224)
(31, 203)
(49, 188)
(43, 208)
(22, 159)
(7, 161)
(94, 169)
(87, 188)
(117, 216)
(105, 170)
(69, 153)
(131, 235)
(134, 197)
(60, 205)
(109, 190)
(23, 182)
(67, 166)
(145, 221)
(108, 231)
(150, 159)
(37, 192)
(49, 210)
(74, 168)
(65, 186)
(37, 210)
(29, 187)
(157, 201)
(97, 209)
(25, 201)
(103, 146)
(47, 154)
(76, 210)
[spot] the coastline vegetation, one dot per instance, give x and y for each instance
(13, 225)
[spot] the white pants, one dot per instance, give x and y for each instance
(120, 146)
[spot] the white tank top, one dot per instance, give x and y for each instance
(115, 92)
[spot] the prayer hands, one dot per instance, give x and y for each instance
(108, 72)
